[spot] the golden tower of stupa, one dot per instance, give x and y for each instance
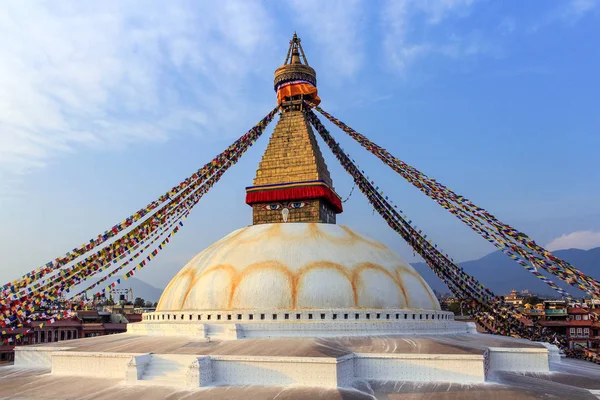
(292, 183)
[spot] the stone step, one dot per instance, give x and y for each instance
(159, 375)
(175, 378)
(169, 362)
(160, 372)
(167, 369)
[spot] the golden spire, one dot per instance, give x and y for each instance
(295, 51)
(292, 182)
(296, 74)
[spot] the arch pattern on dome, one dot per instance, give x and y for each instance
(297, 266)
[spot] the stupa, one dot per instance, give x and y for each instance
(295, 272)
(297, 306)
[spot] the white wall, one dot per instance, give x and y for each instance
(421, 367)
(99, 365)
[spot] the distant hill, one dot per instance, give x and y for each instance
(141, 289)
(501, 274)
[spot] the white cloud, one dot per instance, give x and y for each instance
(400, 18)
(337, 27)
(575, 240)
(438, 10)
(567, 12)
(114, 73)
(578, 8)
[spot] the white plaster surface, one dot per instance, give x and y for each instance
(459, 368)
(518, 359)
(274, 371)
(262, 323)
(237, 331)
(160, 328)
(345, 370)
(170, 369)
(35, 357)
(192, 362)
(136, 367)
(437, 365)
(104, 365)
(201, 373)
(554, 353)
(297, 266)
(34, 384)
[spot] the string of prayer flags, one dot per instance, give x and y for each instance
(176, 192)
(20, 299)
(507, 236)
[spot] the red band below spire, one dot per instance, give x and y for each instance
(294, 191)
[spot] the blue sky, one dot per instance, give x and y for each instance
(104, 106)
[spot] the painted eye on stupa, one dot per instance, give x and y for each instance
(297, 204)
(272, 207)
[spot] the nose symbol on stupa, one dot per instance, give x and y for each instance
(285, 213)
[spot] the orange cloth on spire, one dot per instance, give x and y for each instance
(296, 89)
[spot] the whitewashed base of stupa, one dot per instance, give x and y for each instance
(336, 362)
(227, 370)
(268, 323)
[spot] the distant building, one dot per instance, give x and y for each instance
(100, 323)
(534, 312)
(514, 298)
(579, 324)
(592, 303)
(86, 323)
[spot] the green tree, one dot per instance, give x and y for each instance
(455, 308)
(533, 300)
(139, 302)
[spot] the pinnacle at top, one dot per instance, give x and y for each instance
(295, 51)
(295, 77)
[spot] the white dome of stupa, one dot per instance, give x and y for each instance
(297, 266)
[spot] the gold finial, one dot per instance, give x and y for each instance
(295, 65)
(295, 54)
(295, 71)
